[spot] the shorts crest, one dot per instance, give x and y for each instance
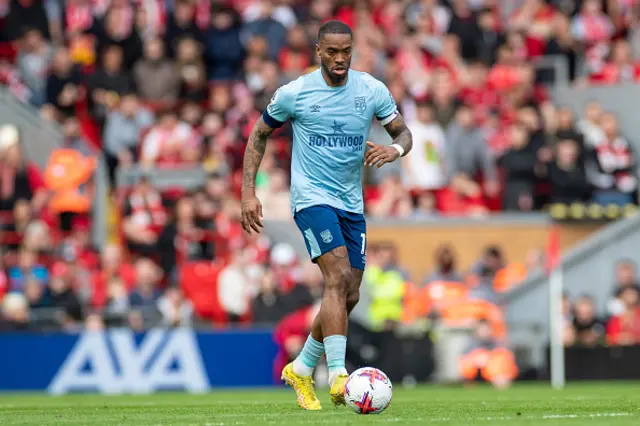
(326, 236)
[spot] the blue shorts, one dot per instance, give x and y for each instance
(325, 228)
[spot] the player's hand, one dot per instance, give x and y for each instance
(379, 155)
(251, 214)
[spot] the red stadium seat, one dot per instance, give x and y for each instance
(199, 282)
(8, 51)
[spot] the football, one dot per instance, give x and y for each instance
(368, 391)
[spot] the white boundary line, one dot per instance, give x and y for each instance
(380, 419)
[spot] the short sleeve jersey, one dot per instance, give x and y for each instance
(330, 130)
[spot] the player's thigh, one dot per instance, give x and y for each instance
(320, 227)
(354, 231)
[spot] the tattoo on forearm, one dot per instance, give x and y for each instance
(400, 134)
(254, 153)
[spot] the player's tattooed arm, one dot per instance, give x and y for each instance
(251, 207)
(378, 155)
(400, 133)
(253, 155)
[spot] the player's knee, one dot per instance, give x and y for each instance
(340, 280)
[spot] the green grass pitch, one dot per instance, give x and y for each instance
(593, 404)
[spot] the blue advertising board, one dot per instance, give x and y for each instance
(120, 361)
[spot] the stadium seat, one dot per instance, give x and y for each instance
(8, 51)
(199, 282)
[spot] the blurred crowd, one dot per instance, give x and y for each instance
(620, 326)
(178, 84)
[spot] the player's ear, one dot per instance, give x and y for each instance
(318, 50)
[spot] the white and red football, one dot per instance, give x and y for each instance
(368, 391)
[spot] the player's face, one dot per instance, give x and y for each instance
(335, 52)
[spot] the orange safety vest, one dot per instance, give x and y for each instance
(465, 312)
(509, 277)
(66, 171)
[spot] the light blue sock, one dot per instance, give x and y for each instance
(336, 348)
(308, 358)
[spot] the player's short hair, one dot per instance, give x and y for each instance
(334, 27)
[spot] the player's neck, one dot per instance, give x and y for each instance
(332, 83)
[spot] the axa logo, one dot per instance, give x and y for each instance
(113, 362)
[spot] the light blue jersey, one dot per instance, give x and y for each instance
(330, 131)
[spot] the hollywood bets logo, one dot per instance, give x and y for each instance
(338, 139)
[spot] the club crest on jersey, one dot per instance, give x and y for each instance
(326, 236)
(361, 104)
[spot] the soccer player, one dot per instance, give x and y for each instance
(331, 111)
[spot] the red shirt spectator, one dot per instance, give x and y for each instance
(621, 68)
(613, 166)
(258, 249)
(624, 329)
(284, 266)
(535, 18)
(19, 179)
(450, 60)
(146, 208)
(478, 94)
(71, 269)
(413, 63)
(4, 283)
(144, 217)
(294, 61)
(496, 131)
(390, 199)
(504, 75)
(594, 29)
(228, 222)
(171, 142)
(454, 203)
(347, 15)
(111, 266)
(11, 78)
(78, 17)
(387, 17)
(151, 18)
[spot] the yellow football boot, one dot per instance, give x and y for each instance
(337, 390)
(307, 399)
